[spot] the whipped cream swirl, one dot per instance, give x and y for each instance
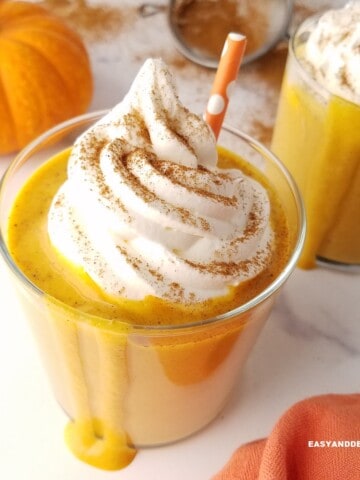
(145, 210)
(332, 51)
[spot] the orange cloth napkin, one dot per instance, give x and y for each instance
(287, 455)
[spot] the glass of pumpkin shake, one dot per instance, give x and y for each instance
(147, 260)
(317, 133)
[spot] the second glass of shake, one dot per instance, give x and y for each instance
(317, 133)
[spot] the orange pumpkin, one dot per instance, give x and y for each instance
(45, 74)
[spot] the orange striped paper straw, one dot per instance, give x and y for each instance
(224, 81)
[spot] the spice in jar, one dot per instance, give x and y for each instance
(204, 24)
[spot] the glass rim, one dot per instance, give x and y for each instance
(307, 74)
(222, 318)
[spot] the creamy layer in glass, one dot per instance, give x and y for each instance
(316, 132)
(150, 259)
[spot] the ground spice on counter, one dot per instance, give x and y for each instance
(92, 22)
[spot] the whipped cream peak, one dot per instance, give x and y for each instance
(332, 51)
(145, 211)
(175, 133)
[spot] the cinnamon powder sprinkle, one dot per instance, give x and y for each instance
(223, 268)
(139, 264)
(147, 195)
(181, 174)
(176, 292)
(93, 23)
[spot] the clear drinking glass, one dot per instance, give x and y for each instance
(317, 137)
(130, 385)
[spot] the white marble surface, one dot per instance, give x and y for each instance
(310, 345)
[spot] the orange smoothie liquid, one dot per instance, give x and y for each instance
(121, 384)
(317, 139)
